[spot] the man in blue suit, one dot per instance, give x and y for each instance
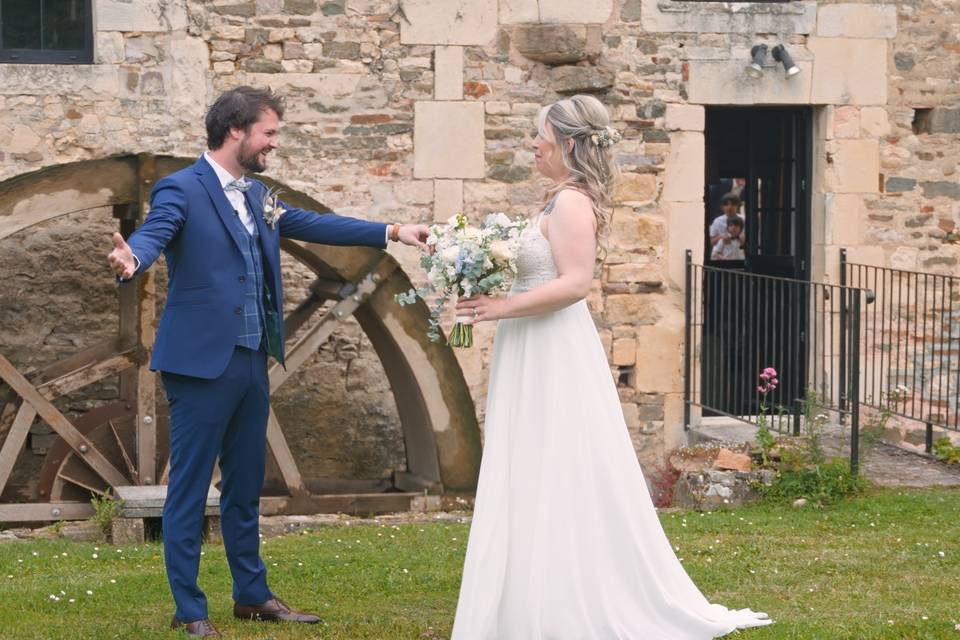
(220, 234)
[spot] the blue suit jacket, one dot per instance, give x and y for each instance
(189, 221)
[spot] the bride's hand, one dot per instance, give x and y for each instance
(481, 308)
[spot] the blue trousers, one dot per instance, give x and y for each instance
(225, 417)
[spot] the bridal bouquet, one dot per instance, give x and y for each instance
(465, 261)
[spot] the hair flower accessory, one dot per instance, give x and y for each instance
(605, 137)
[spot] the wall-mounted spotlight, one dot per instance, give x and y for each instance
(758, 54)
(781, 55)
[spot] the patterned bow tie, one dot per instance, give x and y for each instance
(240, 185)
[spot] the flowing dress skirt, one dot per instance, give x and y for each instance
(565, 542)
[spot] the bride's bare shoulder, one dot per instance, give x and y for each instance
(574, 209)
(574, 200)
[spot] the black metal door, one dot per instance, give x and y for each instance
(762, 155)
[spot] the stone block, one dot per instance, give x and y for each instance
(426, 504)
(558, 44)
(447, 198)
(334, 91)
(649, 273)
(126, 531)
(297, 66)
(23, 140)
(844, 215)
(625, 230)
(941, 189)
(905, 258)
(448, 73)
(732, 461)
(414, 192)
(855, 167)
(300, 7)
(896, 184)
(466, 22)
(857, 21)
(123, 15)
(58, 80)
(448, 140)
(875, 123)
(659, 352)
(109, 45)
(577, 79)
(686, 229)
(555, 11)
(685, 117)
(630, 308)
(684, 171)
(848, 71)
(846, 122)
(650, 230)
(624, 352)
(797, 17)
(635, 188)
(724, 82)
(497, 108)
(674, 433)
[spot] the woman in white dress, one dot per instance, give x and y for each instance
(565, 542)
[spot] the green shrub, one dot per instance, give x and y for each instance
(105, 510)
(945, 450)
(821, 483)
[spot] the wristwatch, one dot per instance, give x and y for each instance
(395, 232)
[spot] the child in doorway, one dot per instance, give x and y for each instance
(730, 245)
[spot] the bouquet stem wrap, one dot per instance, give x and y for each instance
(462, 333)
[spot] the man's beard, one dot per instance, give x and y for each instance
(250, 160)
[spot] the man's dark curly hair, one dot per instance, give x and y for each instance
(239, 108)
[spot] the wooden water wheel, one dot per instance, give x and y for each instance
(120, 443)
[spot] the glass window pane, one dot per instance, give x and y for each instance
(21, 24)
(63, 24)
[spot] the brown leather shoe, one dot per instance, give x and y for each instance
(196, 629)
(273, 610)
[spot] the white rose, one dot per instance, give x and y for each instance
(450, 254)
(500, 250)
(503, 220)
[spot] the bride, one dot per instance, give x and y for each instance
(565, 542)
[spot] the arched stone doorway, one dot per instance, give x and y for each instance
(91, 453)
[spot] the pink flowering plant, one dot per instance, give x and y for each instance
(768, 383)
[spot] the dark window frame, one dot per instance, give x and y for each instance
(54, 56)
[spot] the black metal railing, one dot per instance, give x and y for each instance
(910, 343)
(739, 323)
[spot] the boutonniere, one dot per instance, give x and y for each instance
(271, 207)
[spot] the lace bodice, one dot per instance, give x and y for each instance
(535, 264)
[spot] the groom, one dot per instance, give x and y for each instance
(221, 233)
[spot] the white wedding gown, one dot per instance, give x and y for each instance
(565, 542)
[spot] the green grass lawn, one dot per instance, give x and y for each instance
(882, 566)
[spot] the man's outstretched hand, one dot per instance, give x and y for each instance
(414, 235)
(121, 258)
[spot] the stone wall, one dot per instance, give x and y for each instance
(413, 110)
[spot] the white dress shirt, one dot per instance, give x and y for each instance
(236, 199)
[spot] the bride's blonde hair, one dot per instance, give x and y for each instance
(590, 161)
